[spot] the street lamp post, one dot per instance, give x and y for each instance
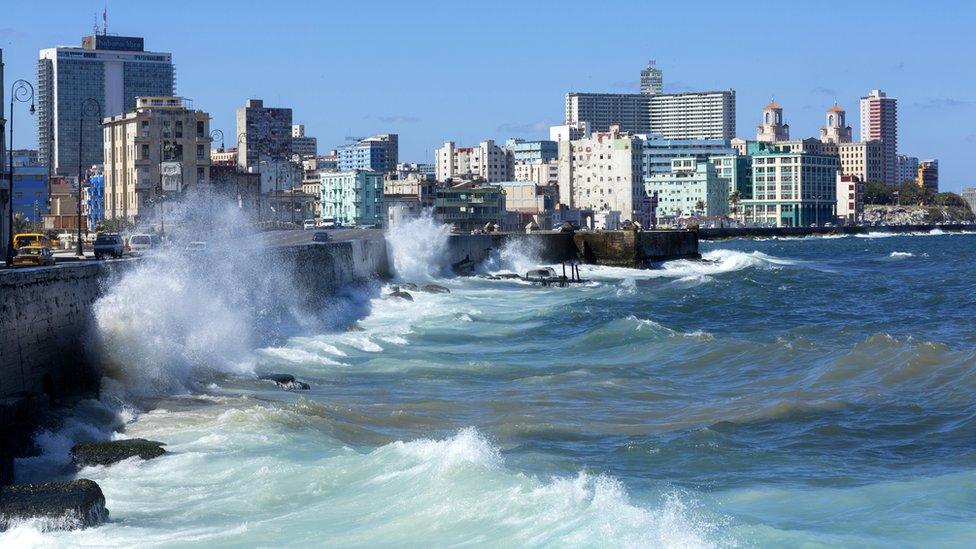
(21, 91)
(88, 106)
(242, 138)
(210, 188)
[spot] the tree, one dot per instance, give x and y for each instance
(700, 207)
(910, 193)
(951, 200)
(877, 193)
(734, 199)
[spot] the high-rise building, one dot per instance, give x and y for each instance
(879, 121)
(772, 129)
(863, 159)
(652, 79)
(160, 147)
(794, 184)
(836, 129)
(604, 174)
(928, 175)
(692, 115)
(112, 70)
(629, 111)
(906, 168)
(659, 152)
(302, 145)
(486, 161)
(262, 132)
(379, 153)
(532, 151)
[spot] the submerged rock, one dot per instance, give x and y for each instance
(409, 286)
(63, 505)
(507, 276)
(435, 289)
(286, 381)
(400, 294)
(113, 451)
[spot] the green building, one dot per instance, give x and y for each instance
(469, 206)
(353, 198)
(794, 184)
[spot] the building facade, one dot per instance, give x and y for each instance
(353, 198)
(94, 200)
(651, 79)
(879, 121)
(570, 131)
(906, 168)
(262, 132)
(850, 198)
(691, 188)
(379, 153)
(864, 159)
(659, 152)
(302, 145)
(112, 70)
(692, 115)
(528, 196)
(604, 173)
(629, 111)
(240, 188)
(469, 206)
(772, 129)
(542, 173)
(532, 151)
(152, 154)
(928, 175)
(63, 212)
(835, 129)
(969, 195)
(486, 161)
(794, 184)
(30, 188)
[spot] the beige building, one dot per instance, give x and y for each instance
(159, 148)
(487, 161)
(604, 174)
(772, 129)
(836, 129)
(864, 160)
(542, 173)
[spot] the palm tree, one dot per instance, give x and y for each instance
(700, 207)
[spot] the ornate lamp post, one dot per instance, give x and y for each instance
(21, 91)
(91, 107)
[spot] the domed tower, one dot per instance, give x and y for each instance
(836, 130)
(772, 129)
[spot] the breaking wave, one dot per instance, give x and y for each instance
(417, 247)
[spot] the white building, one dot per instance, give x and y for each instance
(850, 198)
(692, 187)
(570, 131)
(604, 173)
(628, 111)
(906, 168)
(542, 173)
(487, 161)
(693, 115)
(651, 79)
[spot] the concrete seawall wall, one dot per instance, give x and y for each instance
(769, 232)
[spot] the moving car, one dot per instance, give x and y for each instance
(108, 244)
(308, 224)
(143, 242)
(320, 236)
(31, 239)
(33, 256)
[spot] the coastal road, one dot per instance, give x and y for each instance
(290, 238)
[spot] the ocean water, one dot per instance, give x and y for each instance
(805, 392)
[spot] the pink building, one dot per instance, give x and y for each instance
(879, 121)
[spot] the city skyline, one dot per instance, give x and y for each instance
(466, 84)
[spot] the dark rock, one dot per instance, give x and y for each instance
(409, 286)
(109, 452)
(507, 276)
(465, 267)
(286, 381)
(65, 505)
(435, 289)
(278, 378)
(401, 294)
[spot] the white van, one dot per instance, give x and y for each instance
(143, 242)
(309, 224)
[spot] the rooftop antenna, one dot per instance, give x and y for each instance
(105, 20)
(95, 26)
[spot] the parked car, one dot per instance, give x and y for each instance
(143, 242)
(108, 244)
(31, 239)
(308, 224)
(320, 236)
(33, 256)
(196, 247)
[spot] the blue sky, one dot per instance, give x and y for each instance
(465, 71)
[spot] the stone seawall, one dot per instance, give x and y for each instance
(769, 232)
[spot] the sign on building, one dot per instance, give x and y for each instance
(172, 176)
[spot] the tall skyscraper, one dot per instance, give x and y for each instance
(693, 115)
(263, 132)
(629, 111)
(110, 69)
(879, 120)
(652, 79)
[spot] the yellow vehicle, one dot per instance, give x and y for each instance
(31, 239)
(33, 256)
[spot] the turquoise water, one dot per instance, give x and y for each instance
(812, 392)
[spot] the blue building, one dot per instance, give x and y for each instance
(533, 151)
(95, 200)
(379, 153)
(30, 189)
(659, 152)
